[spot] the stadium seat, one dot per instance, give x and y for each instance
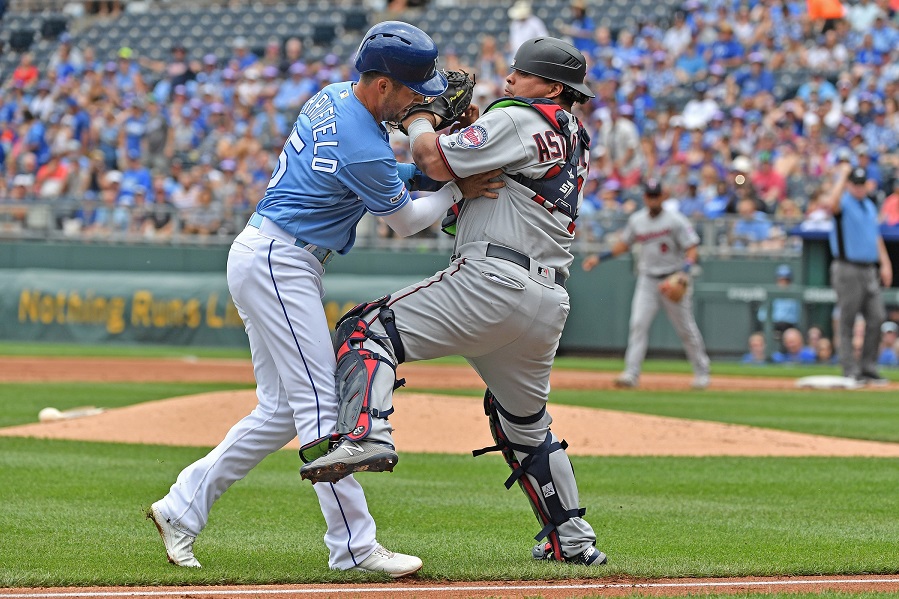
(52, 27)
(20, 40)
(323, 34)
(355, 20)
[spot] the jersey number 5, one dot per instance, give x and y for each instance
(294, 142)
(324, 165)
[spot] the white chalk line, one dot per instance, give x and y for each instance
(437, 589)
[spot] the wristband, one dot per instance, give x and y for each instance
(687, 266)
(606, 256)
(417, 127)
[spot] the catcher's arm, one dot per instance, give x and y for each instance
(422, 121)
(593, 260)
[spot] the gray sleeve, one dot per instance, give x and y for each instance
(491, 142)
(686, 235)
(627, 234)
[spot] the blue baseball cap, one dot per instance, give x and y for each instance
(784, 272)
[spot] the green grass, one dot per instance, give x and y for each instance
(71, 513)
(851, 414)
(10, 348)
(67, 350)
(21, 402)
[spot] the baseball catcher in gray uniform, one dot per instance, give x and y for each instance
(668, 251)
(501, 303)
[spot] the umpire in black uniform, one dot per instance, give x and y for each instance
(860, 264)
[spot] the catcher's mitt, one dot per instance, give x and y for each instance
(449, 105)
(674, 286)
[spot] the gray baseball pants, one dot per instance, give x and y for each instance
(858, 292)
(644, 307)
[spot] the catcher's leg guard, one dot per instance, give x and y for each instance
(542, 496)
(360, 357)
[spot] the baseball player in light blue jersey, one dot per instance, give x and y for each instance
(336, 165)
(501, 303)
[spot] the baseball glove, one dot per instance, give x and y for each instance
(674, 286)
(449, 105)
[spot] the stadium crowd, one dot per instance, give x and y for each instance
(187, 144)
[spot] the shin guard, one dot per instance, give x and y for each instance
(359, 362)
(543, 497)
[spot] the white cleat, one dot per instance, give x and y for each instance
(700, 382)
(179, 546)
(394, 564)
(625, 381)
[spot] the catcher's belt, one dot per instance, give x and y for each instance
(516, 257)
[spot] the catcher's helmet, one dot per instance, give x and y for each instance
(404, 52)
(555, 60)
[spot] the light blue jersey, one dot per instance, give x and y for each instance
(336, 164)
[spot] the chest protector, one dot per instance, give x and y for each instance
(560, 187)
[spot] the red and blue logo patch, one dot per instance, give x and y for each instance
(474, 136)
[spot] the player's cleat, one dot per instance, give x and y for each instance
(394, 564)
(179, 546)
(347, 457)
(700, 382)
(591, 556)
(875, 380)
(625, 381)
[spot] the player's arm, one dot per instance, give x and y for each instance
(424, 211)
(593, 260)
(831, 201)
(691, 257)
(423, 143)
(886, 267)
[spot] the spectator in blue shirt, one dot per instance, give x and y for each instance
(726, 50)
(889, 331)
(757, 353)
(755, 78)
(818, 85)
(295, 90)
(784, 310)
(691, 65)
(134, 175)
(884, 37)
(879, 136)
(794, 350)
(580, 28)
(242, 57)
(752, 228)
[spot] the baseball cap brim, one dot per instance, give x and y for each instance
(429, 88)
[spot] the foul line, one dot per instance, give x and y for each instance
(426, 589)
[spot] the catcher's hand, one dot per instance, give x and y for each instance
(674, 286)
(451, 104)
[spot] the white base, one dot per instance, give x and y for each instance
(827, 381)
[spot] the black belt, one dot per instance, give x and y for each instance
(516, 257)
(321, 254)
(854, 263)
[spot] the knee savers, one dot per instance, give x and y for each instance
(358, 362)
(542, 496)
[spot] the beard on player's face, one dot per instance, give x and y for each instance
(398, 100)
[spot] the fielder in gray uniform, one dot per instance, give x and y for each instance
(501, 303)
(668, 244)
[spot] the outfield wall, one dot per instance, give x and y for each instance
(134, 294)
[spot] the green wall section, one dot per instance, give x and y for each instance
(178, 295)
